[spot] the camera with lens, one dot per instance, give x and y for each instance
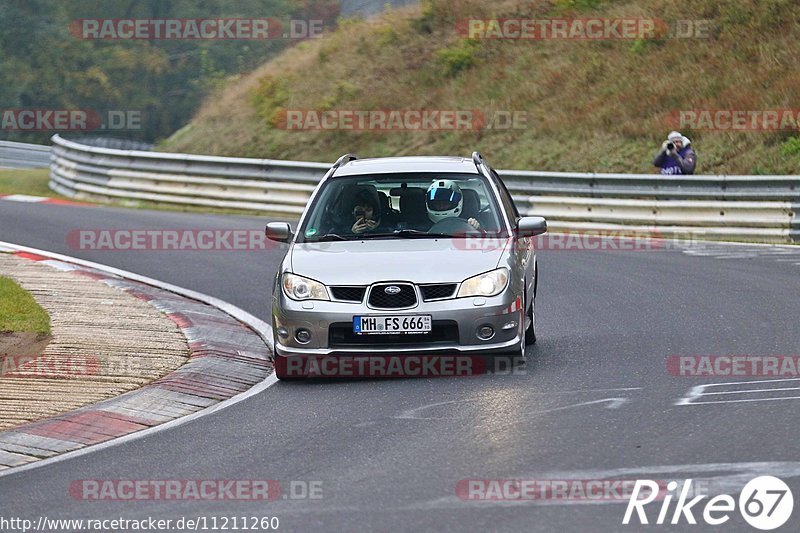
(358, 212)
(670, 146)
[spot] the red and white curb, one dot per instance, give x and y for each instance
(27, 199)
(229, 362)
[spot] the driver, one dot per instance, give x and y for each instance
(444, 200)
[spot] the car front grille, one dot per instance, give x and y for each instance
(340, 335)
(348, 294)
(437, 291)
(380, 299)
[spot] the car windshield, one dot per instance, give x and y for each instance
(402, 206)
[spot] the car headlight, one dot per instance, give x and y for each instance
(300, 288)
(486, 284)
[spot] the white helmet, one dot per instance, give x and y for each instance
(443, 200)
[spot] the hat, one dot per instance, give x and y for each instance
(678, 136)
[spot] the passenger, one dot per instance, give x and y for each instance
(367, 213)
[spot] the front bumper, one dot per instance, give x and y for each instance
(462, 317)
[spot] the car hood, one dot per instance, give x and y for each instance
(416, 260)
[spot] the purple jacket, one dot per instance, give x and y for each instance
(683, 163)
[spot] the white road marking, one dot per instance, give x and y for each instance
(730, 250)
(752, 391)
(549, 393)
(743, 400)
(413, 414)
(24, 198)
(699, 391)
(615, 403)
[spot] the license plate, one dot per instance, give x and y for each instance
(406, 324)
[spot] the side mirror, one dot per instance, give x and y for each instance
(279, 231)
(531, 226)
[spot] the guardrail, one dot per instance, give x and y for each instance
(750, 208)
(116, 143)
(23, 155)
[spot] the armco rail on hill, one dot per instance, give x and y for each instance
(23, 155)
(749, 208)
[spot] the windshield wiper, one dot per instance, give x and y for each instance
(403, 233)
(329, 237)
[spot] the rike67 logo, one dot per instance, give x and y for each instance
(765, 503)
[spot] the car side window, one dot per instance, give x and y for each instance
(505, 197)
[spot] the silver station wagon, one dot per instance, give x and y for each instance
(404, 256)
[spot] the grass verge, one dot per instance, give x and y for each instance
(19, 312)
(26, 181)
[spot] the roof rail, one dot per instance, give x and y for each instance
(346, 158)
(477, 158)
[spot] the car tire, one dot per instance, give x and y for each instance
(519, 349)
(530, 331)
(511, 360)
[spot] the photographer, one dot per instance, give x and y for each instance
(676, 155)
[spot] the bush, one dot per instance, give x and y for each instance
(577, 4)
(271, 95)
(791, 146)
(457, 57)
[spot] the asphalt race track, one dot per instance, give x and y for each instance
(596, 400)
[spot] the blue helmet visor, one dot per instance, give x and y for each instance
(442, 199)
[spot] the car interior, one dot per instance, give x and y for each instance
(401, 205)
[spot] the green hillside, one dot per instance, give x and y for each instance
(591, 105)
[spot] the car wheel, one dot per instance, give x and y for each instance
(530, 331)
(511, 358)
(519, 350)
